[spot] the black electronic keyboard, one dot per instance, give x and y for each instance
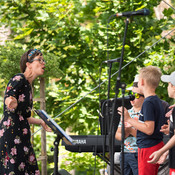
(91, 143)
(94, 143)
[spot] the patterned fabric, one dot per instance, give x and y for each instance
(16, 153)
(130, 142)
(32, 52)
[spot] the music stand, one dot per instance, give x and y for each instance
(61, 134)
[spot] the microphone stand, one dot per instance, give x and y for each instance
(123, 129)
(114, 108)
(109, 85)
(56, 153)
(107, 121)
(109, 63)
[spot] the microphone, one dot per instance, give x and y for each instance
(143, 12)
(112, 60)
(129, 97)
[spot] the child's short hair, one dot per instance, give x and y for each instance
(151, 74)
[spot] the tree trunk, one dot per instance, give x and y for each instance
(43, 132)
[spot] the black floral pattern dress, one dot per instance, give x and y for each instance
(16, 153)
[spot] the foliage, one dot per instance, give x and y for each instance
(9, 57)
(166, 62)
(81, 165)
(76, 36)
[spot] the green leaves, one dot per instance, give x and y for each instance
(26, 32)
(76, 37)
(73, 37)
(168, 12)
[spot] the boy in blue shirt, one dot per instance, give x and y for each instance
(170, 146)
(149, 137)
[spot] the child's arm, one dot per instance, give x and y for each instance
(146, 127)
(157, 154)
(118, 134)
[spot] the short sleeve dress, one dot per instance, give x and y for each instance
(17, 156)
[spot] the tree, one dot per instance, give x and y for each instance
(73, 35)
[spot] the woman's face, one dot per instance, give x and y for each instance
(38, 65)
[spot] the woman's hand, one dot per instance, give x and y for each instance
(45, 126)
(11, 103)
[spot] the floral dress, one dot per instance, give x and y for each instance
(16, 153)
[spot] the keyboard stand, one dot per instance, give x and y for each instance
(106, 159)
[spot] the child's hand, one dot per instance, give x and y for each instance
(162, 158)
(165, 128)
(126, 114)
(168, 114)
(158, 157)
(127, 125)
(155, 156)
(172, 106)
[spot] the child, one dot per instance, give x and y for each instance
(170, 79)
(130, 146)
(149, 137)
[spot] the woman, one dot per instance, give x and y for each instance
(16, 153)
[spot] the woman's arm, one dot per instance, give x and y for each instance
(32, 120)
(118, 134)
